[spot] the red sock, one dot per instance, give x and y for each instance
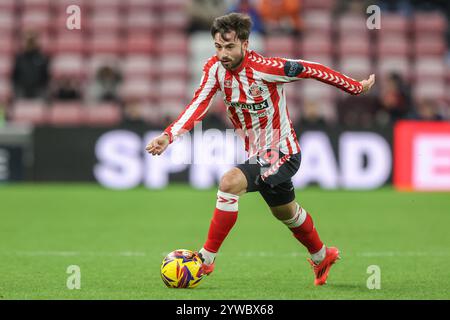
(307, 234)
(224, 218)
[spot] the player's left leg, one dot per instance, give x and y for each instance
(278, 191)
(275, 185)
(299, 221)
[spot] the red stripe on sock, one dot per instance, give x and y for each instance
(307, 234)
(221, 224)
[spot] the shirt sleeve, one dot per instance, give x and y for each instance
(199, 105)
(280, 70)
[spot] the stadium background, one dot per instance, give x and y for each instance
(131, 69)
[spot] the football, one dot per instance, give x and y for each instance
(181, 269)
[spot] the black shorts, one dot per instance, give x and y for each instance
(270, 173)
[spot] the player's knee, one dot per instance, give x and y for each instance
(285, 212)
(231, 183)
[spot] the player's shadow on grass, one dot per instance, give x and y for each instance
(208, 288)
(347, 286)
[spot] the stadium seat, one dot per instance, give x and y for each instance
(325, 109)
(326, 5)
(318, 21)
(138, 88)
(140, 43)
(173, 65)
(393, 46)
(29, 112)
(7, 23)
(105, 44)
(447, 100)
(315, 90)
(429, 69)
(291, 99)
(174, 20)
(61, 5)
(352, 24)
(201, 48)
(256, 43)
(429, 90)
(448, 73)
(7, 45)
(170, 109)
(294, 110)
(144, 22)
(8, 5)
(38, 21)
(102, 114)
(5, 91)
(430, 45)
(394, 23)
(46, 41)
(67, 65)
(356, 67)
(139, 66)
(66, 114)
(68, 42)
(291, 93)
(173, 5)
(147, 111)
(173, 43)
(351, 46)
(201, 41)
(314, 45)
(142, 4)
(99, 5)
(36, 4)
(105, 22)
(173, 87)
(6, 66)
(429, 22)
(390, 64)
(281, 46)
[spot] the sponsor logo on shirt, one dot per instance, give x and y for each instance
(251, 106)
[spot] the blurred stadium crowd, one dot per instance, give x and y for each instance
(139, 61)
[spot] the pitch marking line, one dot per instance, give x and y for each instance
(240, 254)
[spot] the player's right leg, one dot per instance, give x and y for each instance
(232, 185)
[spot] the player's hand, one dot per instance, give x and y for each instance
(367, 84)
(158, 144)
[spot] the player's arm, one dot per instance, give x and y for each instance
(329, 76)
(281, 70)
(194, 111)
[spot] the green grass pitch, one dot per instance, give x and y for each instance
(118, 239)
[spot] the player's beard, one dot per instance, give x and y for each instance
(237, 64)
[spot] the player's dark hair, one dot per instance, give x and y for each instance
(238, 22)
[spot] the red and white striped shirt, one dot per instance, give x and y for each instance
(255, 98)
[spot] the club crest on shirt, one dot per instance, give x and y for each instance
(255, 90)
(228, 84)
